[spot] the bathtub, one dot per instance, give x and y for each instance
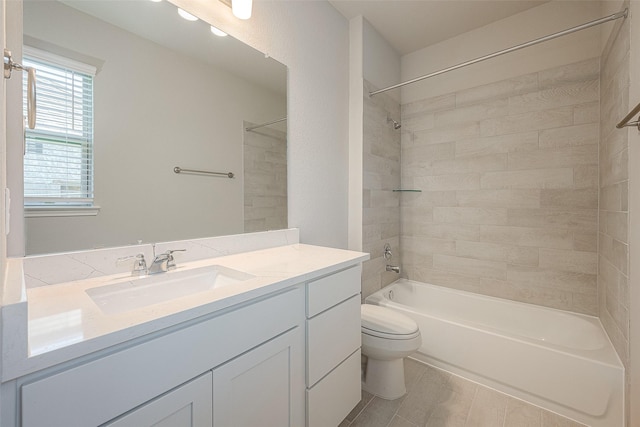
(560, 361)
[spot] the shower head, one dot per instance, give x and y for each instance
(396, 125)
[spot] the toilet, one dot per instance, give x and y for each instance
(387, 337)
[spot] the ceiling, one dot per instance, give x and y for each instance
(410, 25)
(160, 23)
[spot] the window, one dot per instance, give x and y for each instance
(58, 161)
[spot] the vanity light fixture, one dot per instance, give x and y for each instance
(186, 15)
(218, 32)
(241, 8)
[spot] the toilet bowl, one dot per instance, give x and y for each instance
(387, 337)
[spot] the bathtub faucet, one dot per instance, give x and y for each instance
(393, 268)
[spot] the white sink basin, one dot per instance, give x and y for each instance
(137, 293)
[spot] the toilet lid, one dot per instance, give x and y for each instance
(387, 321)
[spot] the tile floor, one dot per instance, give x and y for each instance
(437, 398)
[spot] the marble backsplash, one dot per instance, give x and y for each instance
(43, 270)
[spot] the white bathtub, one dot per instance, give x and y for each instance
(560, 361)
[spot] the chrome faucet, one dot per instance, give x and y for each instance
(394, 268)
(139, 266)
(164, 262)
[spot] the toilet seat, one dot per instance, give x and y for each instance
(382, 322)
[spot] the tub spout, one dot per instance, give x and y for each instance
(393, 268)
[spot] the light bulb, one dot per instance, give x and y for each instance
(241, 8)
(186, 15)
(218, 32)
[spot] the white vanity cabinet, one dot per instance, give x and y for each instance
(259, 387)
(252, 358)
(333, 347)
(281, 349)
(187, 406)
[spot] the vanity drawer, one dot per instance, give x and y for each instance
(331, 400)
(330, 290)
(331, 337)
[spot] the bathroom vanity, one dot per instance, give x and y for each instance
(279, 346)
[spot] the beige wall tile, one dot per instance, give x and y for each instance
(614, 170)
(497, 144)
(585, 176)
(576, 72)
(445, 278)
(418, 123)
(497, 252)
(480, 224)
(583, 134)
(418, 154)
(568, 260)
(579, 198)
(534, 178)
(557, 96)
(527, 236)
(429, 198)
(428, 105)
(617, 225)
(468, 181)
(484, 163)
(611, 197)
(615, 251)
(583, 303)
(384, 198)
(537, 120)
(566, 281)
(501, 89)
(586, 113)
(447, 134)
(443, 231)
(500, 198)
(468, 215)
(558, 157)
(429, 245)
(585, 241)
(472, 113)
(572, 219)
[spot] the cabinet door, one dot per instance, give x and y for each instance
(263, 387)
(186, 406)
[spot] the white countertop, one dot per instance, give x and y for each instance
(64, 322)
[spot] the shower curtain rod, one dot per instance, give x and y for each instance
(265, 124)
(622, 14)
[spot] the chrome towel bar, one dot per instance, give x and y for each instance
(178, 169)
(626, 123)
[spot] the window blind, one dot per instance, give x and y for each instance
(58, 161)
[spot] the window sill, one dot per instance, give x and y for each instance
(51, 211)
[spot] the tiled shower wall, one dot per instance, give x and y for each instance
(509, 180)
(265, 179)
(381, 206)
(613, 254)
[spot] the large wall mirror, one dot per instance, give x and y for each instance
(167, 93)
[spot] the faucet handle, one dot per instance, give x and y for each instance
(139, 266)
(171, 262)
